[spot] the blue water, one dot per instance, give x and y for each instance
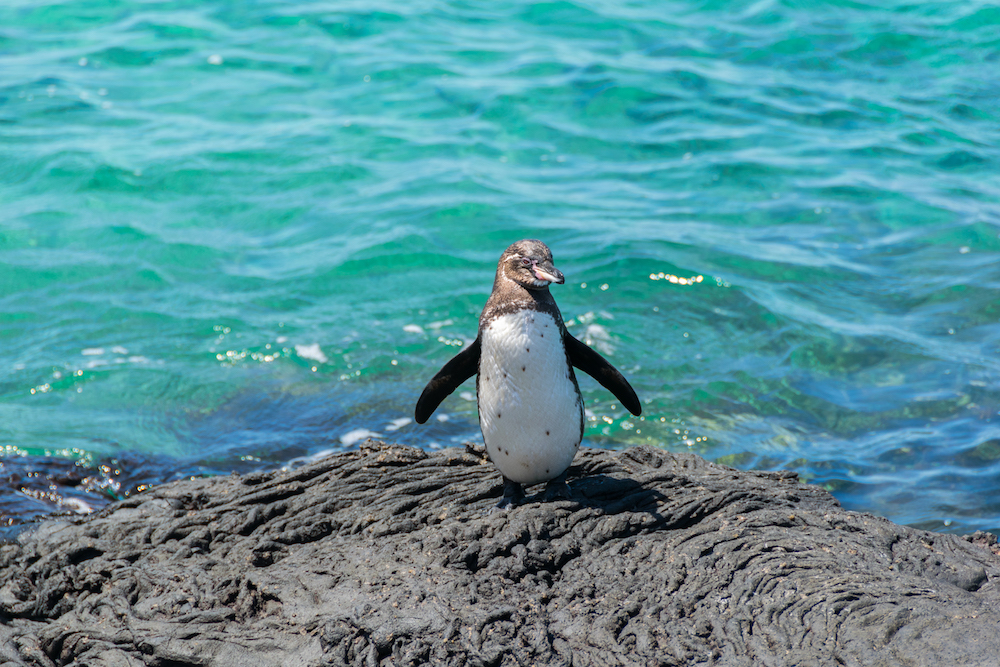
(237, 235)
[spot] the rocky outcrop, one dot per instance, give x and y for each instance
(391, 556)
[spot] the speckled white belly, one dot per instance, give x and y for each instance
(529, 408)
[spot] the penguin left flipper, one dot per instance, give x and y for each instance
(462, 366)
(599, 368)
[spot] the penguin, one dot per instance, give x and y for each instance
(530, 406)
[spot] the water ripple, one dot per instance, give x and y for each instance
(288, 215)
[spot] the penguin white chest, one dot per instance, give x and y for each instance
(530, 409)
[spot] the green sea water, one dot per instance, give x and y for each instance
(237, 235)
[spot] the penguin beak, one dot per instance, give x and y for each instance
(547, 272)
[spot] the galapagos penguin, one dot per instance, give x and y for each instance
(530, 407)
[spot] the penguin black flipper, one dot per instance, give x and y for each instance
(462, 366)
(599, 368)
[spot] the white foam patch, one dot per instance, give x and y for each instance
(305, 460)
(434, 326)
(413, 329)
(397, 424)
(118, 349)
(467, 396)
(77, 505)
(598, 337)
(92, 351)
(597, 331)
(357, 435)
(443, 418)
(311, 352)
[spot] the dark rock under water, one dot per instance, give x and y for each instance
(390, 556)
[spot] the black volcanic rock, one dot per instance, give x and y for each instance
(390, 556)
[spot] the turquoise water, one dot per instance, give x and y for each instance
(234, 235)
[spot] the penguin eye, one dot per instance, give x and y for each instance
(525, 261)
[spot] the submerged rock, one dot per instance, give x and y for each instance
(391, 556)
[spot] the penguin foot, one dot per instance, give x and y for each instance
(557, 489)
(513, 495)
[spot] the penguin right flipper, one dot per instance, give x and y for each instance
(462, 366)
(599, 368)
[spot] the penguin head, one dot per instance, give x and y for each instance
(529, 264)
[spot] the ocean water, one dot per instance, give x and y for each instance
(237, 235)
